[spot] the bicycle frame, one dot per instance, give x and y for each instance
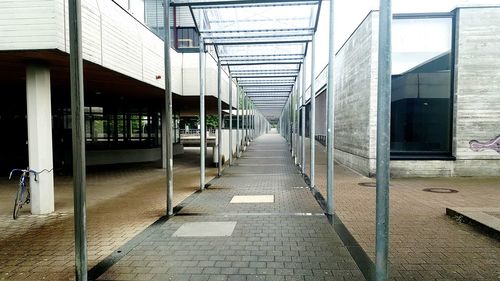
(21, 198)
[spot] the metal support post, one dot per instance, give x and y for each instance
(230, 120)
(203, 134)
(249, 110)
(168, 112)
(78, 138)
(219, 109)
(313, 115)
(250, 136)
(290, 124)
(330, 109)
(295, 126)
(303, 119)
(238, 129)
(253, 120)
(243, 121)
(247, 120)
(383, 142)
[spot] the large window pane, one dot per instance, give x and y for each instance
(421, 86)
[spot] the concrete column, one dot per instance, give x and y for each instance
(238, 130)
(203, 134)
(40, 138)
(230, 120)
(163, 138)
(312, 118)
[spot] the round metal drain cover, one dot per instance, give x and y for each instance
(367, 184)
(440, 190)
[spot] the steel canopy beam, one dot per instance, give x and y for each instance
(252, 36)
(268, 70)
(271, 80)
(258, 42)
(258, 30)
(258, 56)
(265, 76)
(270, 91)
(194, 3)
(267, 90)
(266, 85)
(241, 63)
(276, 97)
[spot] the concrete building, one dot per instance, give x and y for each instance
(445, 95)
(124, 85)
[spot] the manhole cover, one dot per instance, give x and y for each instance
(440, 190)
(367, 184)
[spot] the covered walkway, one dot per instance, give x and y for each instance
(258, 221)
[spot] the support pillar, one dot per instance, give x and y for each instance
(78, 138)
(330, 164)
(252, 116)
(219, 129)
(167, 119)
(238, 129)
(313, 115)
(163, 138)
(303, 120)
(243, 122)
(383, 142)
(230, 120)
(40, 138)
(203, 135)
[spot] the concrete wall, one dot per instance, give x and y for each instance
(104, 157)
(476, 99)
(320, 114)
(111, 37)
(191, 80)
(477, 91)
(355, 71)
(225, 144)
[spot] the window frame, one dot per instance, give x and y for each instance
(435, 155)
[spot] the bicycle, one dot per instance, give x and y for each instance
(23, 192)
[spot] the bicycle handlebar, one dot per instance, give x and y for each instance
(28, 170)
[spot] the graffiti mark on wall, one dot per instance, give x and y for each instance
(493, 144)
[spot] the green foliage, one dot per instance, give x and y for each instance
(211, 121)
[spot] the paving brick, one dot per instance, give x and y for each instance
(423, 240)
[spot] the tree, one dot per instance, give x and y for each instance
(211, 121)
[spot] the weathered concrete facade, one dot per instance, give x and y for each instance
(476, 108)
(355, 98)
(476, 99)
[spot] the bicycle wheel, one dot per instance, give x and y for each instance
(18, 204)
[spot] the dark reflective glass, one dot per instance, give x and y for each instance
(421, 88)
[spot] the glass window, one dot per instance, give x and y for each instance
(135, 127)
(421, 86)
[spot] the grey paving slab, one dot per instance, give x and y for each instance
(205, 229)
(287, 239)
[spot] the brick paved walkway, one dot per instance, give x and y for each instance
(425, 244)
(122, 201)
(289, 239)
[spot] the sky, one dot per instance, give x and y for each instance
(350, 13)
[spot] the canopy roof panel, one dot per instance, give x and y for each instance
(262, 42)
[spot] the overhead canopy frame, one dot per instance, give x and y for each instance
(263, 43)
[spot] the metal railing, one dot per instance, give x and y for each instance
(196, 132)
